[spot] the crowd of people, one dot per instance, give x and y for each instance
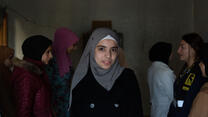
(44, 84)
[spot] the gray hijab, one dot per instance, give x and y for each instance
(105, 77)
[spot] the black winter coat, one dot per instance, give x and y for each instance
(90, 99)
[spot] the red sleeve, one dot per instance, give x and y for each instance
(24, 90)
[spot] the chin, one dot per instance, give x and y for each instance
(106, 67)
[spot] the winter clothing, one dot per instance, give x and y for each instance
(90, 99)
(31, 89)
(29, 80)
(160, 81)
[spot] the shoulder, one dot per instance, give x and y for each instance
(128, 75)
(165, 76)
(18, 71)
(162, 68)
(162, 74)
(128, 81)
(23, 74)
(22, 78)
(128, 71)
(165, 72)
(158, 66)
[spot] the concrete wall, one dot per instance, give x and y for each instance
(142, 22)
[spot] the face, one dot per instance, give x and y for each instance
(202, 67)
(106, 53)
(47, 55)
(71, 48)
(185, 51)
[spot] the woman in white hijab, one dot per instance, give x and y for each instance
(100, 86)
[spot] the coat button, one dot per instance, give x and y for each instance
(116, 105)
(92, 105)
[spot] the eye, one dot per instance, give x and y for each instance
(48, 51)
(101, 48)
(115, 49)
(182, 46)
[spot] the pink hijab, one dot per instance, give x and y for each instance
(63, 39)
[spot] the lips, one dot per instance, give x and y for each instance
(106, 62)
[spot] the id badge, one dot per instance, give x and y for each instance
(180, 103)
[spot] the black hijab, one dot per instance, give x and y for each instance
(160, 52)
(35, 46)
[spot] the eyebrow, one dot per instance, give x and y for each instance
(105, 46)
(101, 46)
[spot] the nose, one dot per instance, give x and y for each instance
(50, 56)
(108, 54)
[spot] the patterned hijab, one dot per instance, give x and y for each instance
(63, 39)
(105, 77)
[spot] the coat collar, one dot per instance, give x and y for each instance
(33, 66)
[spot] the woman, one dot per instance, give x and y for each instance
(29, 80)
(100, 86)
(200, 103)
(190, 81)
(60, 71)
(160, 79)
